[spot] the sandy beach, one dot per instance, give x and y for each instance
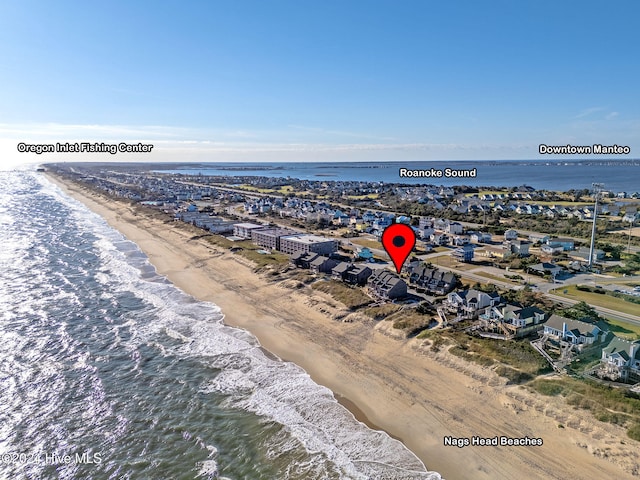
(396, 384)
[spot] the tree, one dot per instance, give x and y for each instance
(581, 310)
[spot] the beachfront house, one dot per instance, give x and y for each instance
(549, 250)
(480, 237)
(303, 259)
(387, 285)
(471, 303)
(621, 360)
(512, 320)
(575, 331)
(519, 248)
(322, 264)
(464, 253)
(358, 275)
(583, 253)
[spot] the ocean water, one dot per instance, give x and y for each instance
(108, 371)
(617, 175)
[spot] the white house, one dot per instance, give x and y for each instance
(470, 303)
(621, 359)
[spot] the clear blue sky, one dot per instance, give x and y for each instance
(322, 80)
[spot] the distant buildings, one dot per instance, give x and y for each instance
(566, 243)
(511, 234)
(545, 268)
(464, 253)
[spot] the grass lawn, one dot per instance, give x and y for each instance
(370, 196)
(365, 242)
(600, 300)
(449, 261)
(626, 330)
(496, 277)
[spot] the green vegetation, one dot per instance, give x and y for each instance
(608, 404)
(515, 360)
(630, 331)
(411, 321)
(600, 300)
(437, 339)
(634, 432)
(262, 260)
(365, 242)
(551, 388)
(381, 312)
(369, 196)
(506, 278)
(351, 297)
(631, 264)
(526, 296)
(247, 250)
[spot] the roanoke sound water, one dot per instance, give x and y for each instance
(108, 371)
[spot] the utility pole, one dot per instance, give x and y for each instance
(597, 188)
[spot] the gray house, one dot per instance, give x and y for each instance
(322, 264)
(431, 279)
(621, 359)
(303, 259)
(575, 331)
(387, 285)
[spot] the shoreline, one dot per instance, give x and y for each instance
(386, 383)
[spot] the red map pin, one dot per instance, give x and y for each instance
(398, 240)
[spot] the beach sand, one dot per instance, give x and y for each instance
(391, 383)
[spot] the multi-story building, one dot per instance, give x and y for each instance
(291, 244)
(243, 230)
(270, 237)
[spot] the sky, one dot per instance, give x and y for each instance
(298, 80)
